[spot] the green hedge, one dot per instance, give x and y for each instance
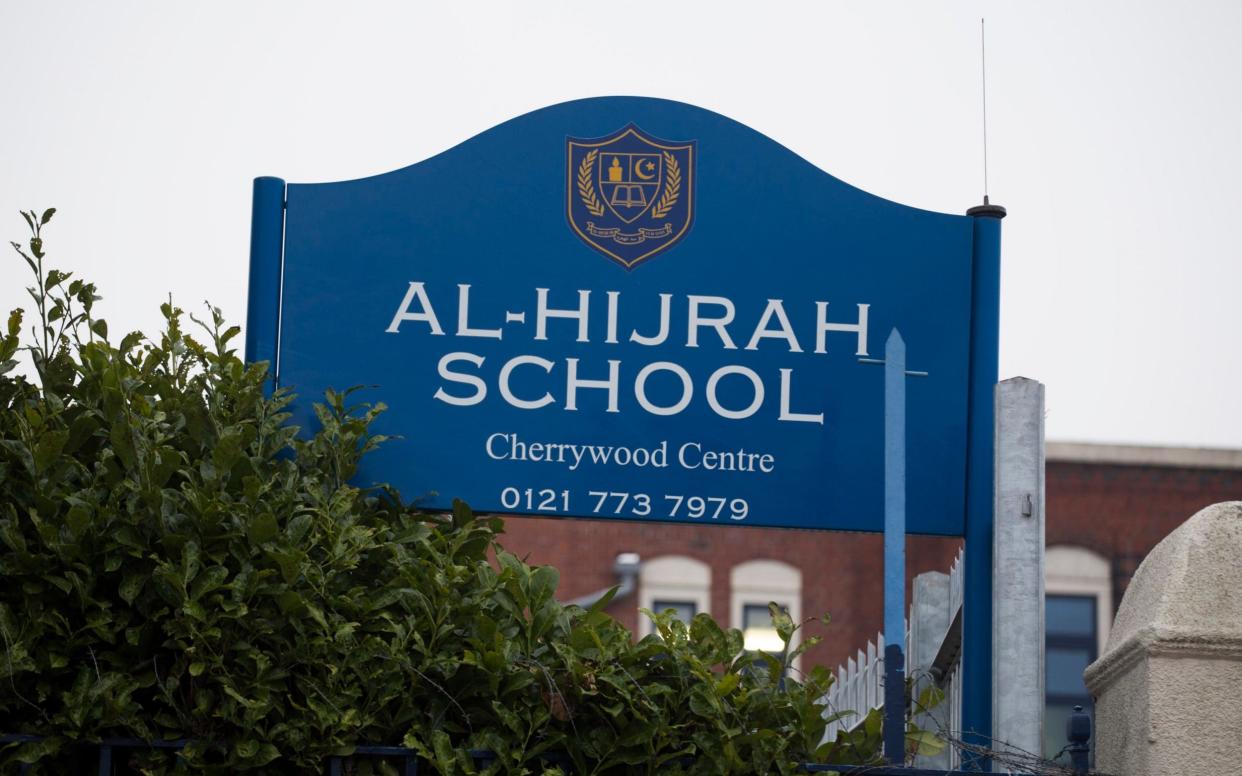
(177, 561)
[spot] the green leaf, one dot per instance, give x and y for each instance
(131, 586)
(227, 450)
(703, 704)
(33, 752)
(235, 695)
(263, 528)
(290, 602)
(297, 529)
(78, 519)
(604, 600)
(930, 697)
(727, 684)
(462, 515)
(543, 581)
(129, 341)
(48, 448)
(211, 579)
(190, 562)
(54, 276)
(266, 753)
(924, 742)
(317, 615)
(290, 563)
(122, 440)
(12, 536)
(47, 216)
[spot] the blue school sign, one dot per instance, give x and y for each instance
(634, 308)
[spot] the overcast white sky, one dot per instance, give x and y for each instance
(1115, 143)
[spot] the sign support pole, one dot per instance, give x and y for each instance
(267, 239)
(895, 375)
(894, 548)
(977, 596)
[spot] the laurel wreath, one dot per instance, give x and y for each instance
(586, 187)
(672, 187)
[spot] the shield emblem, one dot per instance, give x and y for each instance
(630, 195)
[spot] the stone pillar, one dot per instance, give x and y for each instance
(1018, 568)
(1168, 688)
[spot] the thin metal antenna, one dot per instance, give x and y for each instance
(983, 60)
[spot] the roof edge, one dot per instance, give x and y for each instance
(1144, 455)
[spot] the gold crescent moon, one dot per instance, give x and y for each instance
(638, 170)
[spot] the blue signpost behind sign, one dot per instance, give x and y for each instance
(637, 309)
(895, 375)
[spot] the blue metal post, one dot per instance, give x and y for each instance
(977, 606)
(267, 235)
(894, 548)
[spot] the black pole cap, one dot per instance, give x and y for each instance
(1078, 726)
(987, 210)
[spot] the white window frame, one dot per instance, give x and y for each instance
(1078, 571)
(762, 581)
(673, 578)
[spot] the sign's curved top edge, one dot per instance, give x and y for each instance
(650, 101)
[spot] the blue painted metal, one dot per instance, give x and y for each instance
(267, 223)
(105, 760)
(408, 757)
(894, 547)
(480, 228)
(977, 604)
(879, 770)
(894, 487)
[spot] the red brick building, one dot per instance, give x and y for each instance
(1106, 507)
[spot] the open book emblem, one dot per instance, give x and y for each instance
(630, 195)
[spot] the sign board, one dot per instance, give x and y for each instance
(627, 308)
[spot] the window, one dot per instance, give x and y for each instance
(673, 582)
(758, 631)
(752, 585)
(1077, 614)
(683, 610)
(1070, 645)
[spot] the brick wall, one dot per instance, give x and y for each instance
(1123, 511)
(841, 572)
(1119, 511)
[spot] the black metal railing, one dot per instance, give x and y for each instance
(108, 752)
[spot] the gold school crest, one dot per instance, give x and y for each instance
(630, 195)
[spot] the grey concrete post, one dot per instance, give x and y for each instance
(929, 620)
(1018, 568)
